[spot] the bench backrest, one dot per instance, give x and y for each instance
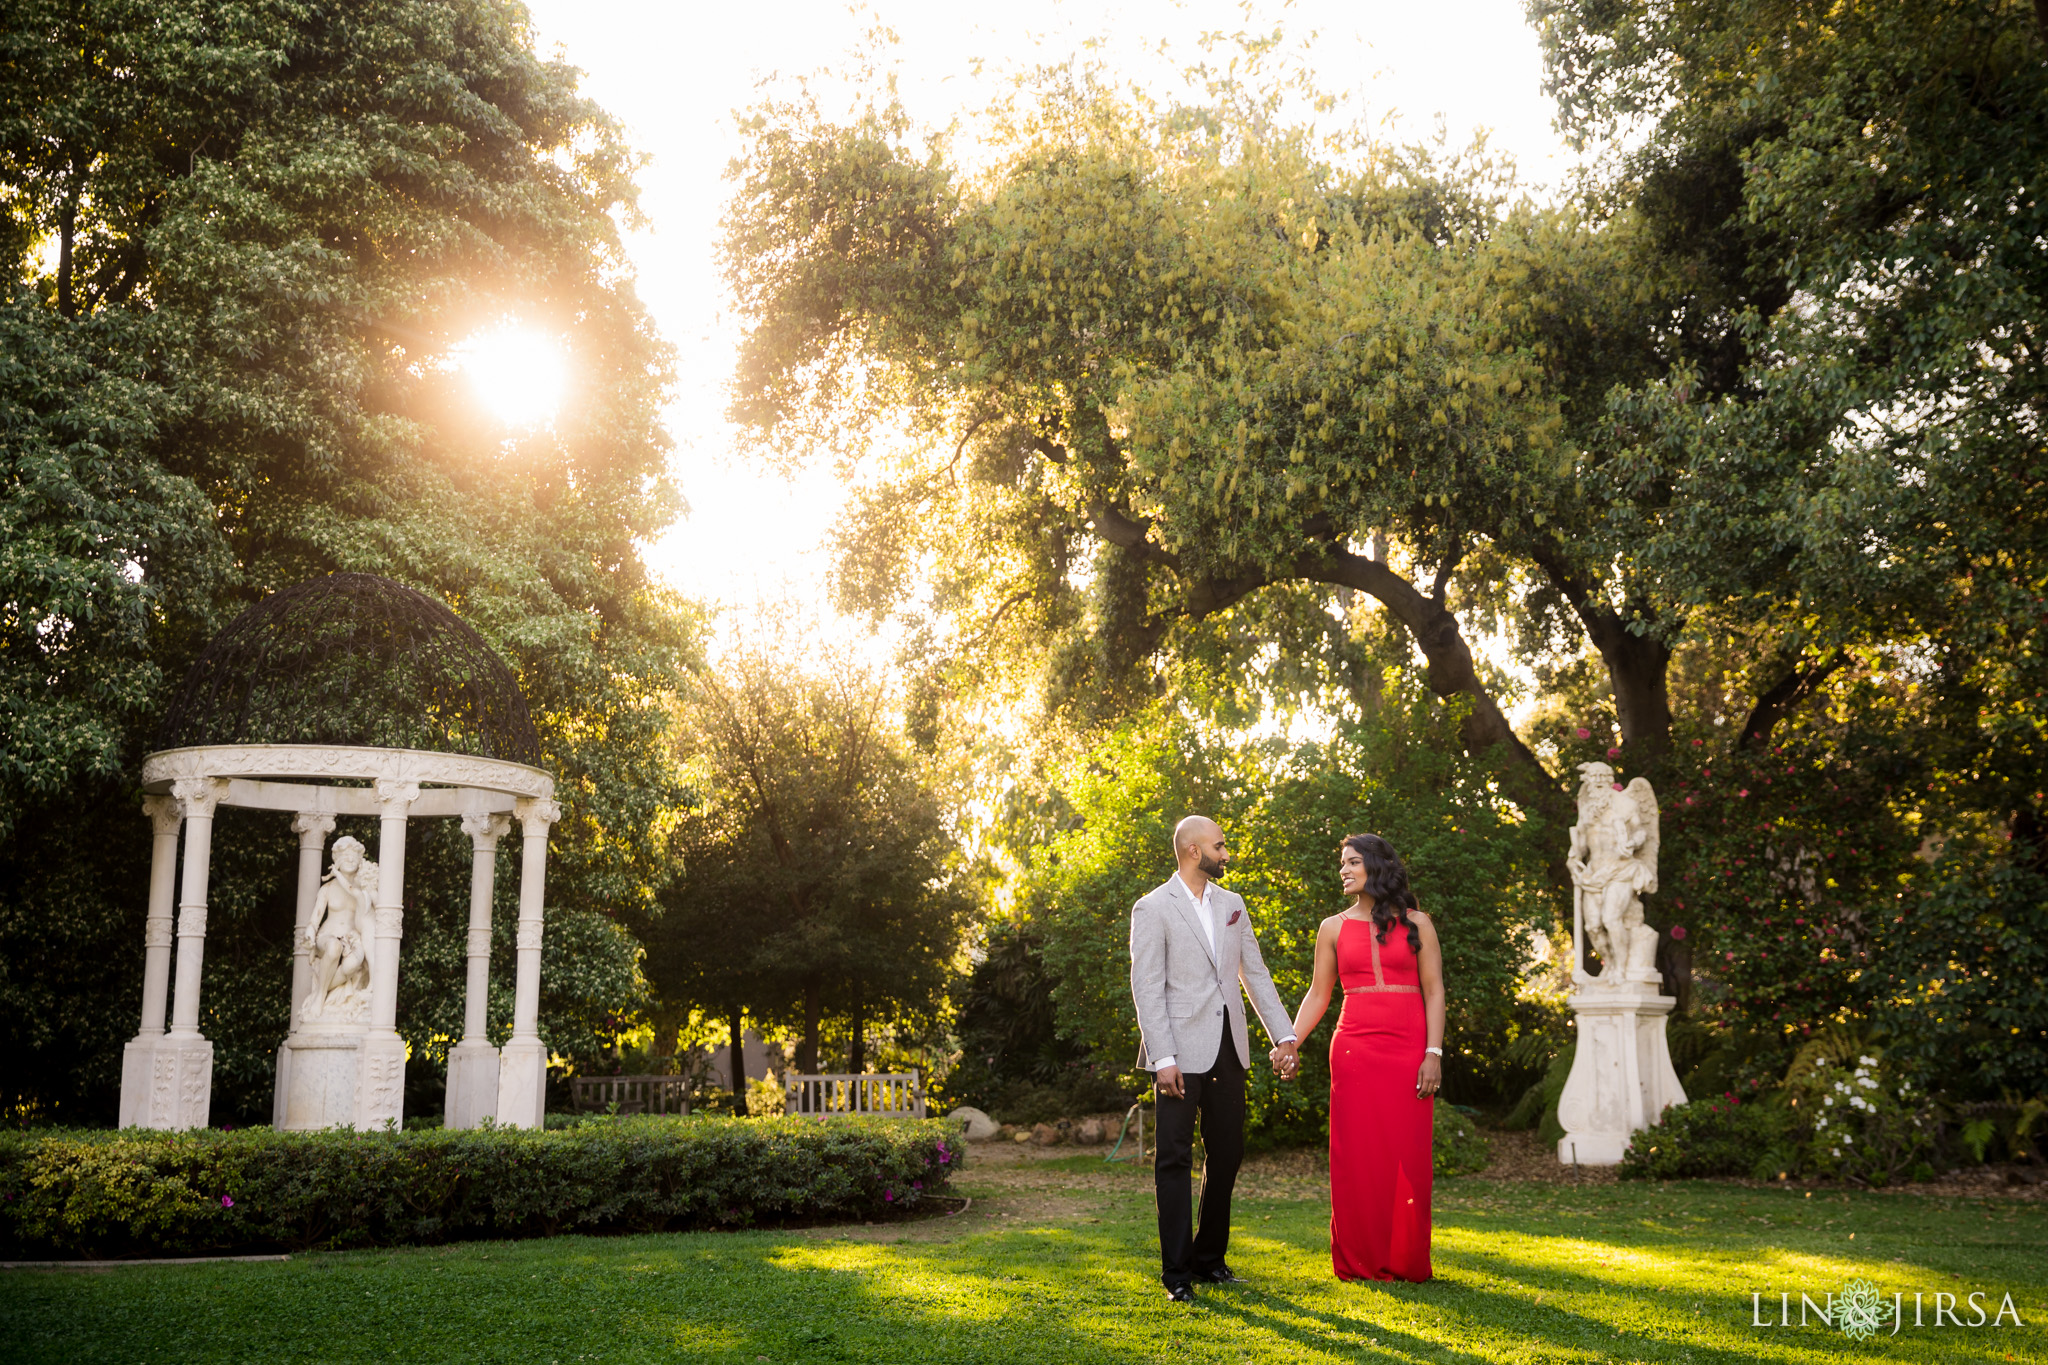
(843, 1096)
(633, 1094)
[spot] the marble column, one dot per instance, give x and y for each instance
(523, 1065)
(312, 827)
(138, 1060)
(473, 1063)
(180, 1091)
(381, 1097)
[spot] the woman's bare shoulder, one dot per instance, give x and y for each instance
(1419, 917)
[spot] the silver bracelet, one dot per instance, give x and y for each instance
(1437, 1050)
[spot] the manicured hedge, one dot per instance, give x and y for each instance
(136, 1193)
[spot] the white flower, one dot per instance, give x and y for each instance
(1869, 1084)
(1827, 1099)
(1837, 1151)
(1858, 1102)
(1822, 1124)
(1868, 1061)
(1847, 1139)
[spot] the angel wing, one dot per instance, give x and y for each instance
(1638, 791)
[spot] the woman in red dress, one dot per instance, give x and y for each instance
(1385, 1064)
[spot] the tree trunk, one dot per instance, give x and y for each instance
(858, 1062)
(1638, 665)
(807, 1050)
(736, 1059)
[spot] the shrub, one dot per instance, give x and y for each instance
(132, 1192)
(1712, 1137)
(1457, 1146)
(1861, 1122)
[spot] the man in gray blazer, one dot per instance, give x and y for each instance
(1191, 946)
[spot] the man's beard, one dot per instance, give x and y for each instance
(1212, 868)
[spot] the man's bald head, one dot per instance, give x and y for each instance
(1193, 831)
(1198, 846)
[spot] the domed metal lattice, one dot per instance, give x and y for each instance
(353, 659)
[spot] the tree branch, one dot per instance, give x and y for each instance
(1784, 698)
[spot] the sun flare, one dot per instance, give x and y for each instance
(516, 374)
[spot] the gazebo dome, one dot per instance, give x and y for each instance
(353, 659)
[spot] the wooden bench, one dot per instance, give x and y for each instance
(849, 1096)
(632, 1094)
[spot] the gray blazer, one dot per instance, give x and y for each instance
(1184, 993)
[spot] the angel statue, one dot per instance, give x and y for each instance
(1613, 861)
(339, 938)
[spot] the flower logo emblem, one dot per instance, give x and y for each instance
(1859, 1310)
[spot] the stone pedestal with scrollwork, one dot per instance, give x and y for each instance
(1621, 1078)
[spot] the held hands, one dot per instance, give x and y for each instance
(1429, 1077)
(1286, 1060)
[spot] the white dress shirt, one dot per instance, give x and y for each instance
(1208, 924)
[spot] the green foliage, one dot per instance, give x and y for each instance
(1860, 1121)
(243, 243)
(815, 871)
(1725, 1136)
(1477, 870)
(137, 1193)
(1014, 1065)
(1457, 1147)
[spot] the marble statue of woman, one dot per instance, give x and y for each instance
(340, 935)
(1613, 861)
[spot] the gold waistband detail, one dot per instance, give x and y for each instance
(1382, 988)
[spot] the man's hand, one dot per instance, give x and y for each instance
(1286, 1060)
(1169, 1082)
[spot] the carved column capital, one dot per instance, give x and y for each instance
(485, 829)
(156, 932)
(536, 814)
(390, 921)
(162, 812)
(313, 827)
(191, 921)
(528, 936)
(196, 797)
(392, 791)
(479, 943)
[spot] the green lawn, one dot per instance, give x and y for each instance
(1054, 1262)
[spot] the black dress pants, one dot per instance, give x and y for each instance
(1217, 1097)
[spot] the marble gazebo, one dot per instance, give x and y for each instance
(350, 695)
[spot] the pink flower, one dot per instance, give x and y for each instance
(1743, 792)
(1678, 932)
(1731, 957)
(226, 1202)
(1614, 752)
(1696, 743)
(1617, 786)
(1585, 733)
(889, 1196)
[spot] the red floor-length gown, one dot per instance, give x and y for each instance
(1379, 1128)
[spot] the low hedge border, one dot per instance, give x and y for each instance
(70, 1193)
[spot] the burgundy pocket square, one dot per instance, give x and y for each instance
(1235, 916)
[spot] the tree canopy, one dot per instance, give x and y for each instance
(244, 244)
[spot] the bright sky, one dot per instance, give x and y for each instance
(673, 70)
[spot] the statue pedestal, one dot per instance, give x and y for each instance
(166, 1083)
(1621, 1077)
(472, 1084)
(338, 1077)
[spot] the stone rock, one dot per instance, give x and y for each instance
(1089, 1133)
(1045, 1135)
(1022, 1135)
(974, 1125)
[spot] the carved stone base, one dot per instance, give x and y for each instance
(523, 1083)
(1621, 1078)
(166, 1083)
(382, 1097)
(473, 1070)
(318, 1074)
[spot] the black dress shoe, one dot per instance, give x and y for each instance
(1222, 1274)
(1181, 1293)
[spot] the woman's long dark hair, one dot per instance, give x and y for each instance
(1386, 881)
